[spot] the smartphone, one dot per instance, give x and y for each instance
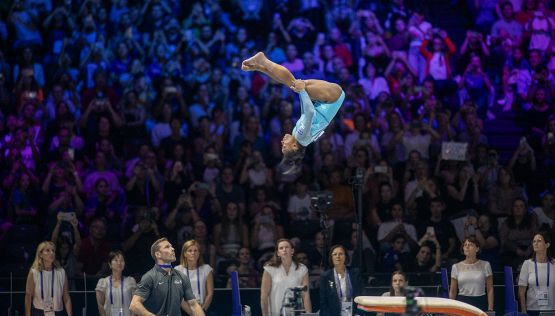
(171, 89)
(430, 230)
(210, 156)
(471, 230)
(71, 153)
(68, 216)
(265, 219)
(380, 169)
(203, 185)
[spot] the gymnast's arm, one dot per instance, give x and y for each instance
(307, 111)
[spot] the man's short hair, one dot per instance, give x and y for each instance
(156, 247)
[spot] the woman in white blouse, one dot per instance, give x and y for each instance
(536, 278)
(46, 290)
(114, 292)
(200, 274)
(282, 273)
(472, 278)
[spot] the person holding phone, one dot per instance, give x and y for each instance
(537, 277)
(472, 278)
(320, 102)
(439, 227)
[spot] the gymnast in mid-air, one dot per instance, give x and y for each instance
(320, 102)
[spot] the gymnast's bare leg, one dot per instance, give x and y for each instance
(318, 90)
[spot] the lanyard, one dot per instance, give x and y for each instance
(51, 288)
(198, 280)
(121, 286)
(536, 268)
(165, 266)
(347, 283)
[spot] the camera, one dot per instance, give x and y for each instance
(321, 200)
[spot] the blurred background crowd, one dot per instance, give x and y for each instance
(127, 120)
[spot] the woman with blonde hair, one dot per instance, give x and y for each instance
(46, 290)
(200, 274)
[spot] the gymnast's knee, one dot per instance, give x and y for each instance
(332, 93)
(335, 91)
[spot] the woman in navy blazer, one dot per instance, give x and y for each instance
(339, 285)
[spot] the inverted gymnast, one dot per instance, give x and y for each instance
(320, 101)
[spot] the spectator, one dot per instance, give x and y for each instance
(424, 261)
(515, 233)
(506, 27)
(502, 193)
(398, 283)
(231, 234)
(390, 230)
(95, 249)
(266, 232)
(248, 275)
(546, 212)
(139, 232)
(441, 228)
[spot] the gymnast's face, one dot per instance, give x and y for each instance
(289, 143)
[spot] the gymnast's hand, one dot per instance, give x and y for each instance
(298, 85)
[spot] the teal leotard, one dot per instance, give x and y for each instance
(315, 117)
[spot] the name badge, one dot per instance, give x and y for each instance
(542, 296)
(48, 305)
(117, 311)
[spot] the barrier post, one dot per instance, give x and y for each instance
(235, 295)
(445, 283)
